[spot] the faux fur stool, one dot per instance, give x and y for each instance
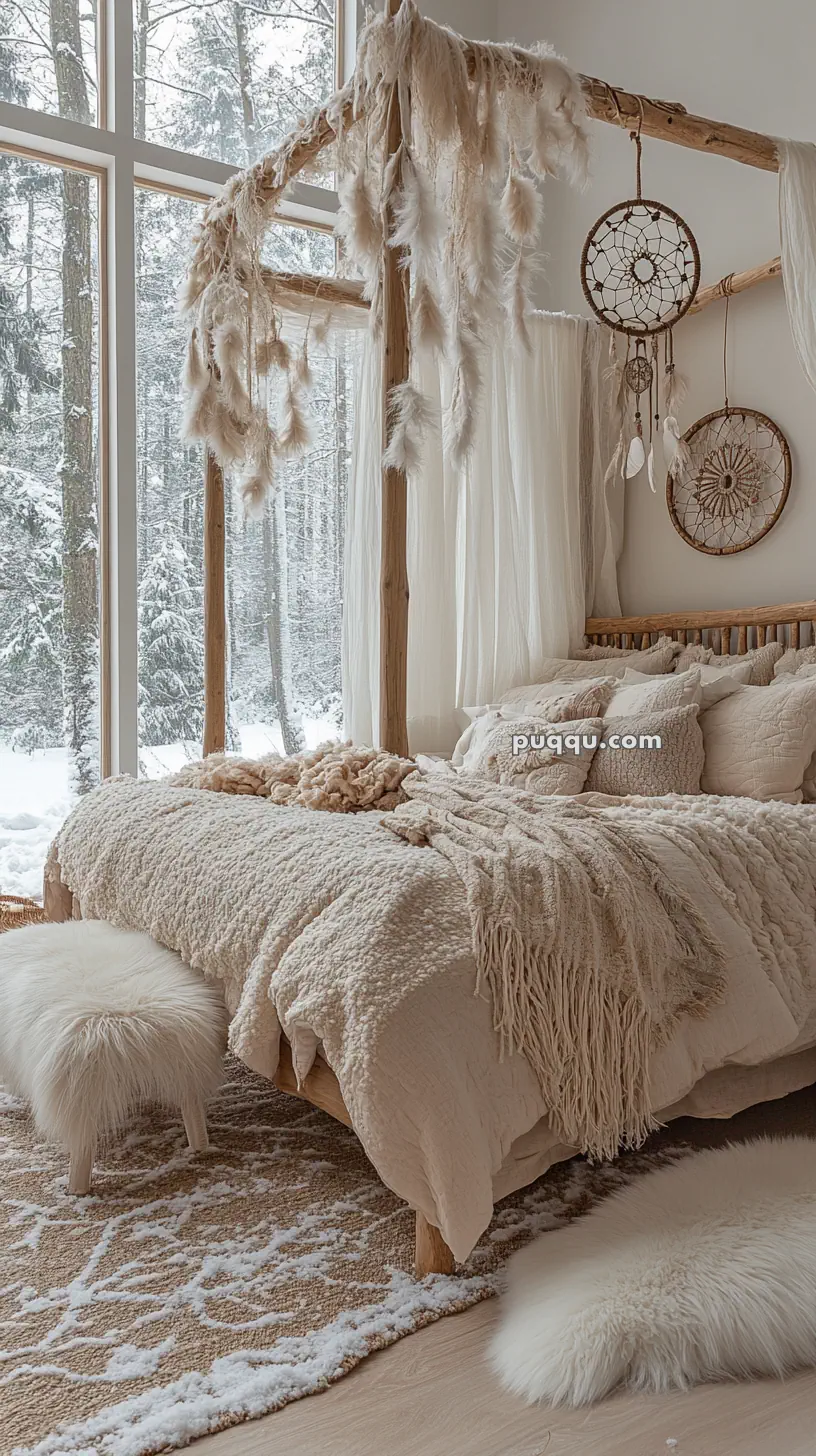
(703, 1270)
(94, 1021)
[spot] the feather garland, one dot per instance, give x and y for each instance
(519, 303)
(358, 224)
(419, 225)
(228, 352)
(460, 421)
(410, 418)
(271, 351)
(675, 448)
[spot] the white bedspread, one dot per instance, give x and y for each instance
(347, 938)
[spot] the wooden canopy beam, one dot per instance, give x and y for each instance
(670, 122)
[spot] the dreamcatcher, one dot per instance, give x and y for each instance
(640, 271)
(730, 476)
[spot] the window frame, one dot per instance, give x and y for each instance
(121, 162)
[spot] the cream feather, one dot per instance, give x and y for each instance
(296, 434)
(676, 390)
(271, 351)
(419, 223)
(518, 299)
(358, 223)
(410, 418)
(427, 322)
(302, 369)
(521, 208)
(196, 374)
(228, 352)
(460, 421)
(253, 491)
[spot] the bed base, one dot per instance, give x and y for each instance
(321, 1088)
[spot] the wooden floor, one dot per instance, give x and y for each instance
(432, 1395)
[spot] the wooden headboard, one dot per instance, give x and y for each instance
(793, 623)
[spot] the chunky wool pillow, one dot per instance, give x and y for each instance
(567, 669)
(673, 768)
(597, 654)
(759, 742)
(640, 693)
(713, 683)
(794, 659)
(762, 660)
(560, 702)
(541, 769)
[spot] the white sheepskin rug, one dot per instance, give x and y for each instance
(703, 1270)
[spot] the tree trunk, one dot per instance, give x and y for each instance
(276, 589)
(79, 516)
(140, 68)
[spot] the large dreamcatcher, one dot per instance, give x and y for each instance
(730, 476)
(640, 271)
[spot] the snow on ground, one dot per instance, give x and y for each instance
(35, 795)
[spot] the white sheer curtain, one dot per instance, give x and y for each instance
(797, 222)
(505, 558)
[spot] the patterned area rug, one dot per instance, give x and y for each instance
(190, 1293)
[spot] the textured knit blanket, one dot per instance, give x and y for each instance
(589, 952)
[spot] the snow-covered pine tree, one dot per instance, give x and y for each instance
(171, 649)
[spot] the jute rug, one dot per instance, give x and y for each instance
(190, 1293)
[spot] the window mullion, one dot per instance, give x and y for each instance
(121, 324)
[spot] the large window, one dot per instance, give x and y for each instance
(101, 519)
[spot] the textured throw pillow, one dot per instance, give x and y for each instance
(557, 768)
(641, 693)
(597, 654)
(566, 669)
(794, 659)
(762, 660)
(714, 682)
(559, 702)
(759, 742)
(673, 768)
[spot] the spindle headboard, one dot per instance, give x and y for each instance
(793, 623)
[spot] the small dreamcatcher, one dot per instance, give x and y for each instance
(730, 475)
(640, 271)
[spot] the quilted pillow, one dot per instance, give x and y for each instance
(563, 701)
(793, 659)
(640, 692)
(597, 654)
(567, 669)
(673, 768)
(535, 765)
(759, 744)
(762, 660)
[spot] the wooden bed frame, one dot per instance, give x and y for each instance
(753, 626)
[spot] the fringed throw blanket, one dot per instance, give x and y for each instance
(337, 777)
(588, 951)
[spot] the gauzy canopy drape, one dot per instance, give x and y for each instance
(506, 556)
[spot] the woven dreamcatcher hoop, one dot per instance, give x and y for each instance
(730, 477)
(640, 265)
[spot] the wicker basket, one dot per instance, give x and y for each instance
(16, 910)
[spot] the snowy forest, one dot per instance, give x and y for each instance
(225, 79)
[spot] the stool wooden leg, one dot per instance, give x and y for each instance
(432, 1253)
(79, 1171)
(195, 1125)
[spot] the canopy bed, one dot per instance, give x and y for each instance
(358, 1016)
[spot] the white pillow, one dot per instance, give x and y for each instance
(640, 693)
(567, 669)
(715, 682)
(539, 769)
(759, 742)
(587, 698)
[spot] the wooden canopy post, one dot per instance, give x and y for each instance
(215, 617)
(394, 541)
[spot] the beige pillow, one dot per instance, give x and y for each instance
(597, 654)
(793, 659)
(586, 699)
(541, 768)
(566, 669)
(762, 660)
(759, 743)
(673, 768)
(641, 693)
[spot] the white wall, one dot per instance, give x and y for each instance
(749, 63)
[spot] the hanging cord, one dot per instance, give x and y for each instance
(727, 290)
(638, 141)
